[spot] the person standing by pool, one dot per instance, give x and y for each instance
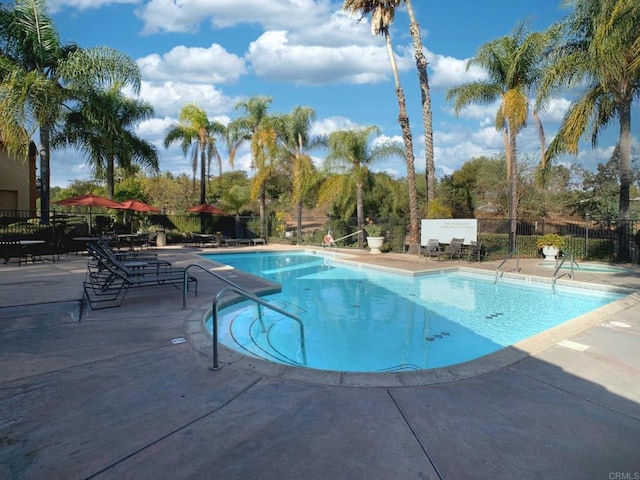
(328, 240)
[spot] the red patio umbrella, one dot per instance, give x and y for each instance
(89, 200)
(138, 206)
(206, 208)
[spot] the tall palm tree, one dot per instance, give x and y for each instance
(264, 152)
(425, 98)
(257, 127)
(382, 13)
(296, 142)
(39, 75)
(197, 133)
(241, 129)
(513, 64)
(101, 127)
(599, 52)
(351, 153)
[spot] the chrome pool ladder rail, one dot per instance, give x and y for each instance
(213, 274)
(260, 303)
(559, 264)
(508, 257)
(243, 293)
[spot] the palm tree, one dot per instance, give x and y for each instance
(39, 75)
(599, 52)
(255, 126)
(382, 13)
(295, 140)
(101, 127)
(241, 129)
(234, 200)
(197, 133)
(351, 153)
(513, 65)
(264, 151)
(425, 97)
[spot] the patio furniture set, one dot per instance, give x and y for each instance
(456, 248)
(111, 273)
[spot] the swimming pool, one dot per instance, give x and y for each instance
(367, 320)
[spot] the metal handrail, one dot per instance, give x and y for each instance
(260, 302)
(244, 293)
(186, 276)
(558, 267)
(508, 257)
(347, 236)
(334, 243)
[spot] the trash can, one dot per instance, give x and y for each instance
(161, 239)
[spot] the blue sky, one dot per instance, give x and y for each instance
(308, 52)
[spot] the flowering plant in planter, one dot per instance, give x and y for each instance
(373, 230)
(550, 240)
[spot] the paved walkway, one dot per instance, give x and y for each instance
(111, 394)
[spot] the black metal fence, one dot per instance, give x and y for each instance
(585, 239)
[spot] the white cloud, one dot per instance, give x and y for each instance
(193, 65)
(555, 110)
(169, 97)
(274, 58)
(448, 71)
(319, 46)
(187, 15)
(475, 111)
(57, 5)
(488, 137)
(330, 124)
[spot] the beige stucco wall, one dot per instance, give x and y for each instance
(17, 183)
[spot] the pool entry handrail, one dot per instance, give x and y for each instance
(508, 257)
(214, 274)
(260, 302)
(347, 236)
(235, 288)
(559, 264)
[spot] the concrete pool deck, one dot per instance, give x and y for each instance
(115, 393)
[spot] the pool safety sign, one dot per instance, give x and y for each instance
(444, 229)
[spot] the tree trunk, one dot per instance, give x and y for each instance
(203, 186)
(425, 96)
(45, 173)
(299, 224)
(110, 177)
(203, 176)
(513, 189)
(263, 211)
(624, 142)
(403, 120)
(360, 212)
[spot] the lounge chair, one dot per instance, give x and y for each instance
(432, 248)
(124, 255)
(107, 279)
(228, 242)
(475, 250)
(453, 249)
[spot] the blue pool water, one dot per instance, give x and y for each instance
(367, 320)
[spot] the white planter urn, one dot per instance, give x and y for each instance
(375, 243)
(550, 252)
